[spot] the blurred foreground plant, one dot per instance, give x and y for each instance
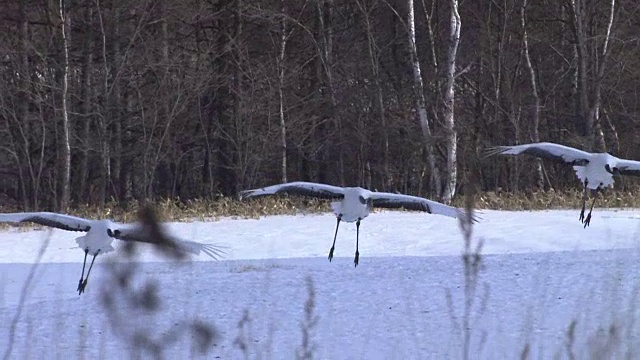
(128, 299)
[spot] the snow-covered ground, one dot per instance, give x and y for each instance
(406, 299)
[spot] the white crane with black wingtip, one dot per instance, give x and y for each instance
(595, 170)
(101, 233)
(354, 203)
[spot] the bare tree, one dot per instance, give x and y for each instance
(324, 11)
(34, 165)
(65, 152)
(87, 93)
(535, 133)
(451, 136)
(105, 118)
(374, 60)
(281, 67)
(420, 104)
(590, 108)
(183, 100)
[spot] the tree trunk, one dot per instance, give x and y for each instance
(165, 91)
(614, 140)
(451, 173)
(281, 67)
(121, 167)
(387, 179)
(87, 91)
(325, 12)
(433, 48)
(103, 131)
(577, 7)
(119, 181)
(599, 141)
(535, 134)
(232, 154)
(590, 110)
(23, 113)
(65, 151)
(226, 102)
(421, 105)
(126, 162)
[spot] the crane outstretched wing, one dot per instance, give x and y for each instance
(416, 203)
(544, 150)
(628, 167)
(60, 221)
(322, 191)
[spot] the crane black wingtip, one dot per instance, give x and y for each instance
(464, 214)
(244, 194)
(249, 193)
(214, 251)
(493, 151)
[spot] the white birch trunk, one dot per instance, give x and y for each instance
(451, 173)
(283, 129)
(535, 134)
(599, 141)
(420, 104)
(66, 145)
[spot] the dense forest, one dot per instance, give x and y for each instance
(123, 100)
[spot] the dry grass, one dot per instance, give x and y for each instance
(542, 200)
(189, 210)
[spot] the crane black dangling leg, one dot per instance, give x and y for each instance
(585, 197)
(588, 219)
(355, 261)
(86, 251)
(334, 238)
(84, 283)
